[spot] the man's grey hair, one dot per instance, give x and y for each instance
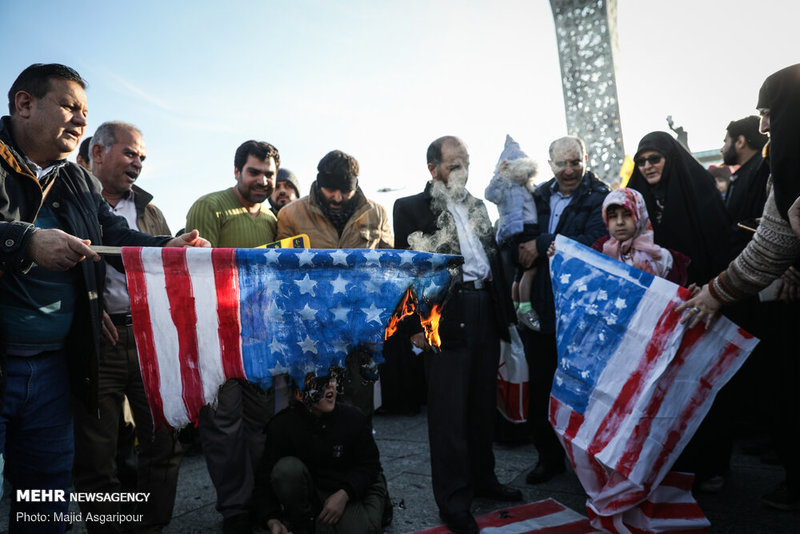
(565, 141)
(106, 134)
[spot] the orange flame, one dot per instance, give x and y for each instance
(431, 327)
(406, 308)
(409, 306)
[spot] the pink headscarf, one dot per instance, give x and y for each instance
(643, 251)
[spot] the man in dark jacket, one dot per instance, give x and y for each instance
(747, 192)
(569, 204)
(321, 465)
(50, 212)
(462, 392)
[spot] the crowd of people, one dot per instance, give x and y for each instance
(72, 391)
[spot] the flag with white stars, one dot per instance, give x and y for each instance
(632, 384)
(203, 316)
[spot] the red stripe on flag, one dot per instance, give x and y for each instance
(677, 510)
(184, 316)
(679, 427)
(635, 445)
(601, 521)
(576, 527)
(145, 345)
(632, 450)
(575, 422)
(226, 279)
(633, 386)
(676, 479)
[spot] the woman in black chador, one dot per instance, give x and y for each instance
(685, 207)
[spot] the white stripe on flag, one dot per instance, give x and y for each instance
(165, 337)
(538, 524)
(201, 272)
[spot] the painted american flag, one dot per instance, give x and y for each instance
(203, 316)
(632, 386)
(542, 517)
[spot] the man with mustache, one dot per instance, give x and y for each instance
(462, 385)
(51, 210)
(747, 191)
(232, 433)
(337, 214)
(287, 189)
(117, 154)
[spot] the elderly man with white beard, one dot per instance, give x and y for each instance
(462, 388)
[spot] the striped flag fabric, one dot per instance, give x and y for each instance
(202, 316)
(542, 517)
(632, 386)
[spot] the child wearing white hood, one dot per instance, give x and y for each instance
(511, 189)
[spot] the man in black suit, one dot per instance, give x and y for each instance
(462, 390)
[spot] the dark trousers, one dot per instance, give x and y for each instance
(294, 486)
(159, 454)
(781, 386)
(233, 436)
(462, 398)
(36, 438)
(542, 356)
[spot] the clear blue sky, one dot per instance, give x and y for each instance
(381, 79)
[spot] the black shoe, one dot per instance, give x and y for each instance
(238, 524)
(460, 523)
(781, 498)
(499, 492)
(544, 472)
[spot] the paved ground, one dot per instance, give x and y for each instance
(404, 453)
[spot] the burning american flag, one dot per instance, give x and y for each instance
(203, 316)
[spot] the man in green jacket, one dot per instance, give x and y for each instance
(233, 434)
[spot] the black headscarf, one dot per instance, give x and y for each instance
(694, 220)
(780, 93)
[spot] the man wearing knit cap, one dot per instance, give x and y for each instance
(335, 213)
(287, 189)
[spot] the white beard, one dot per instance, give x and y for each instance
(455, 189)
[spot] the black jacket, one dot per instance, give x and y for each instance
(582, 220)
(746, 197)
(75, 199)
(422, 213)
(337, 448)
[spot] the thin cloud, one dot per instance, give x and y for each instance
(127, 88)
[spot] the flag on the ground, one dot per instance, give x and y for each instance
(203, 316)
(632, 384)
(542, 517)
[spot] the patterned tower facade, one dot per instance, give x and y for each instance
(586, 31)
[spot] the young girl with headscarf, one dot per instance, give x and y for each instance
(630, 238)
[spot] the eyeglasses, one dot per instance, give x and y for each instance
(651, 159)
(571, 162)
